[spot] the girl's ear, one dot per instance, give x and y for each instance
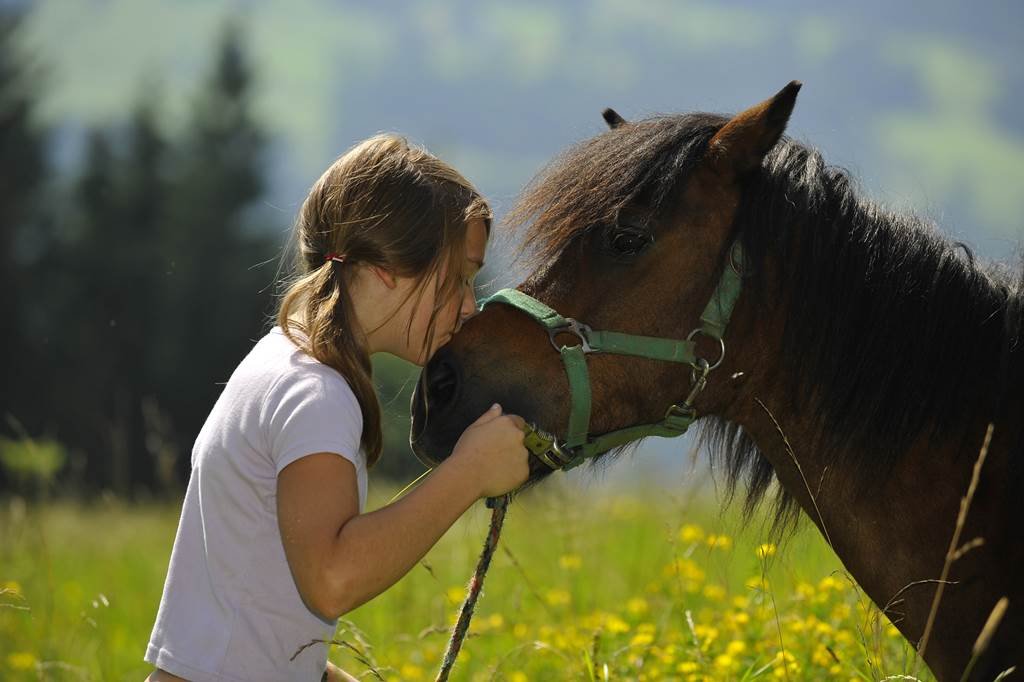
(385, 276)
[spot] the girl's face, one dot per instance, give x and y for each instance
(451, 316)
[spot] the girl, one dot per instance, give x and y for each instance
(272, 546)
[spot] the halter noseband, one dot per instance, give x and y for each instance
(578, 446)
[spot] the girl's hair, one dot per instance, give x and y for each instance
(385, 203)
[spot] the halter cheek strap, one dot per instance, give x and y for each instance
(578, 446)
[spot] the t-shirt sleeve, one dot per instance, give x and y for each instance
(310, 412)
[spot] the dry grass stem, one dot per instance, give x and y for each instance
(961, 519)
(994, 618)
(985, 638)
(792, 455)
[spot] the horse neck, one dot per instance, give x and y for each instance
(890, 525)
(893, 537)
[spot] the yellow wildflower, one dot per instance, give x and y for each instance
(557, 597)
(714, 592)
(706, 635)
(667, 654)
(822, 629)
(685, 568)
(456, 594)
(785, 664)
(844, 637)
(841, 611)
(735, 648)
(796, 626)
(822, 657)
(687, 667)
(616, 625)
(726, 663)
(642, 639)
(412, 672)
(719, 541)
(637, 606)
(691, 533)
(759, 583)
(570, 562)
(21, 660)
(765, 551)
(829, 583)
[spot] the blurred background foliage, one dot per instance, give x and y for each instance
(155, 152)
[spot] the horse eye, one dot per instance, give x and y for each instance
(628, 243)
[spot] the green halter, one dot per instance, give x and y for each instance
(578, 445)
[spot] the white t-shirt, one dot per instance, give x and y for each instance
(230, 608)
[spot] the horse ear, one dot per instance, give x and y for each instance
(741, 144)
(612, 118)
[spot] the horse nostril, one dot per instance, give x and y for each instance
(442, 382)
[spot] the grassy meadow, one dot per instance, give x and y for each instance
(586, 585)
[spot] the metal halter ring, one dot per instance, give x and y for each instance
(721, 344)
(577, 329)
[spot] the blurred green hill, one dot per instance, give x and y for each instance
(921, 99)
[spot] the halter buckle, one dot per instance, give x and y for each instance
(679, 417)
(699, 379)
(577, 329)
(544, 446)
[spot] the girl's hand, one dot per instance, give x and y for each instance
(492, 449)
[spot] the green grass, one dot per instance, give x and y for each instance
(585, 585)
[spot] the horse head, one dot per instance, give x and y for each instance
(633, 231)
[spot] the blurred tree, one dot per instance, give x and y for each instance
(89, 310)
(145, 291)
(151, 295)
(23, 158)
(109, 280)
(145, 199)
(213, 300)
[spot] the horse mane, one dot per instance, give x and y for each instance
(895, 326)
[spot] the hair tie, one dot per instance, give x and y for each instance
(336, 257)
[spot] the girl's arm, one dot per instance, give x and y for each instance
(341, 559)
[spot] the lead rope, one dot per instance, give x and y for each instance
(498, 506)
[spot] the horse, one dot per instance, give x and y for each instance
(866, 358)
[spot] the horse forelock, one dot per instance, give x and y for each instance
(587, 185)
